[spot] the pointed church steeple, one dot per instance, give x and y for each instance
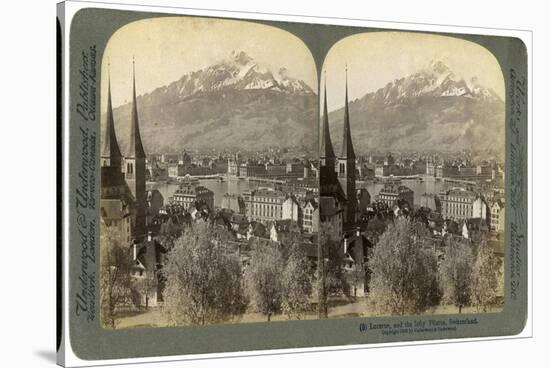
(135, 169)
(347, 145)
(328, 158)
(346, 168)
(136, 147)
(110, 154)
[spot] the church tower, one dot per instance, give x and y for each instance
(110, 153)
(135, 166)
(116, 200)
(326, 152)
(346, 167)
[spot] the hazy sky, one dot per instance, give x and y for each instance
(377, 58)
(167, 48)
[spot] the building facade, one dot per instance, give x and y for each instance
(291, 210)
(264, 204)
(391, 193)
(497, 216)
(310, 222)
(187, 195)
(247, 170)
(460, 204)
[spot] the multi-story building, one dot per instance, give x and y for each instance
(392, 192)
(291, 210)
(264, 204)
(465, 172)
(381, 171)
(446, 171)
(497, 216)
(233, 167)
(179, 170)
(175, 170)
(310, 221)
(395, 170)
(311, 170)
(301, 188)
(295, 169)
(247, 170)
(430, 168)
(276, 170)
(484, 171)
(460, 204)
(188, 194)
(218, 166)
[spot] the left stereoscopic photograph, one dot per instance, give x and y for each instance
(209, 174)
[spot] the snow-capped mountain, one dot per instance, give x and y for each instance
(234, 103)
(430, 109)
(238, 71)
(436, 80)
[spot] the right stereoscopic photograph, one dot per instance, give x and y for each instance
(412, 144)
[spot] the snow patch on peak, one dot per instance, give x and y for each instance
(240, 71)
(455, 91)
(436, 80)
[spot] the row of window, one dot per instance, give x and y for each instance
(265, 200)
(266, 210)
(459, 209)
(459, 199)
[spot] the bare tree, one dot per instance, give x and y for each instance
(404, 271)
(144, 287)
(456, 273)
(203, 279)
(356, 278)
(330, 276)
(263, 279)
(486, 276)
(169, 232)
(296, 280)
(115, 279)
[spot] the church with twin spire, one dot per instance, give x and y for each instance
(338, 194)
(123, 190)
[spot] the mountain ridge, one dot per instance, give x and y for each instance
(235, 103)
(429, 109)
